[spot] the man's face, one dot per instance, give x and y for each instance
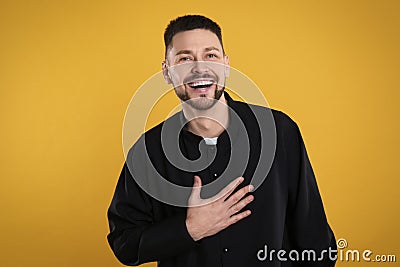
(197, 67)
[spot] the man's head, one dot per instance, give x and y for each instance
(195, 61)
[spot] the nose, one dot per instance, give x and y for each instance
(200, 67)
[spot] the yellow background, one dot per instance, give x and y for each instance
(69, 68)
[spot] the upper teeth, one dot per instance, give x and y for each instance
(200, 83)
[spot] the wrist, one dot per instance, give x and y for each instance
(192, 231)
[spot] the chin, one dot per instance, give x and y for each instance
(199, 99)
(202, 103)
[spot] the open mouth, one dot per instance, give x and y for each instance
(201, 86)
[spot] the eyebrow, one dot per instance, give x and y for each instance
(211, 48)
(207, 49)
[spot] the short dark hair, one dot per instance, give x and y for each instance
(190, 22)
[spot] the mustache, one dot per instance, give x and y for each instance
(198, 77)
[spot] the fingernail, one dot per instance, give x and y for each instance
(251, 188)
(241, 179)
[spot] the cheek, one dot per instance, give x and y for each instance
(179, 72)
(177, 79)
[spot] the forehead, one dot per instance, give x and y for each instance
(194, 40)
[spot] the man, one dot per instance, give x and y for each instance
(234, 223)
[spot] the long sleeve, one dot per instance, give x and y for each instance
(308, 228)
(134, 236)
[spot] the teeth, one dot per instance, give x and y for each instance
(201, 83)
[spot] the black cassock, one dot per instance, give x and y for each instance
(287, 211)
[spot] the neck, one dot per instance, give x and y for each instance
(208, 123)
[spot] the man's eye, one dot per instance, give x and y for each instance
(184, 59)
(212, 55)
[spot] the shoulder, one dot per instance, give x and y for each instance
(152, 137)
(155, 132)
(283, 122)
(149, 146)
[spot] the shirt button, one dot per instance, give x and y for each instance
(226, 250)
(215, 175)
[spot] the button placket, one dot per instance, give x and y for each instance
(212, 152)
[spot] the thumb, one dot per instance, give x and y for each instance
(196, 188)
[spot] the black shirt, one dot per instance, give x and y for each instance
(287, 211)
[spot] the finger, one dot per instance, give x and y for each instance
(195, 194)
(232, 200)
(235, 218)
(239, 206)
(227, 190)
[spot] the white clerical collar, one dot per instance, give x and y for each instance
(211, 141)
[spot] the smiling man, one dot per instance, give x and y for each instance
(235, 222)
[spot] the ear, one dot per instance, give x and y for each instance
(227, 66)
(165, 72)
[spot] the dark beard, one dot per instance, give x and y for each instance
(201, 103)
